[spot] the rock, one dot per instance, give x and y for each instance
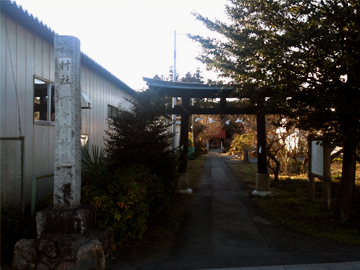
(42, 266)
(106, 238)
(91, 256)
(103, 238)
(25, 254)
(49, 248)
(66, 266)
(68, 249)
(52, 262)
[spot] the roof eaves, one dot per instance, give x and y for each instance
(184, 85)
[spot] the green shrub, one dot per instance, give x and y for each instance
(125, 201)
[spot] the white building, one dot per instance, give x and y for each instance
(27, 73)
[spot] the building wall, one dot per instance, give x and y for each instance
(23, 55)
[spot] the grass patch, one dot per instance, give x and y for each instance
(289, 208)
(195, 170)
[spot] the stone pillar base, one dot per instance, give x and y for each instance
(261, 193)
(86, 253)
(80, 221)
(262, 185)
(183, 184)
(262, 182)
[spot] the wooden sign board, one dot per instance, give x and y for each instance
(319, 166)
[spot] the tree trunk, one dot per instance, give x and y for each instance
(306, 160)
(277, 166)
(343, 204)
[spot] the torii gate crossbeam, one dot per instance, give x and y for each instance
(195, 90)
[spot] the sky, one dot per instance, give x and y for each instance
(133, 38)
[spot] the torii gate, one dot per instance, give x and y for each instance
(195, 90)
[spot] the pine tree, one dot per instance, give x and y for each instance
(302, 56)
(141, 136)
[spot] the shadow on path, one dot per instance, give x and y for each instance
(220, 231)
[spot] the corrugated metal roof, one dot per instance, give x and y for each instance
(37, 27)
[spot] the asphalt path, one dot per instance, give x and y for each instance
(221, 231)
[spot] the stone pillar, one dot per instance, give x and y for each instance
(67, 217)
(67, 175)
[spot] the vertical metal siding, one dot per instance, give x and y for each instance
(38, 57)
(29, 155)
(101, 93)
(21, 74)
(11, 119)
(2, 75)
(33, 56)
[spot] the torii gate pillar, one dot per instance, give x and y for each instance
(262, 177)
(183, 182)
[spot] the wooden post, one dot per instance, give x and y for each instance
(261, 140)
(222, 103)
(311, 178)
(262, 177)
(184, 135)
(327, 178)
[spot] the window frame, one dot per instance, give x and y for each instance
(50, 86)
(113, 111)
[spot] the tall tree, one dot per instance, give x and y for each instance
(300, 55)
(140, 135)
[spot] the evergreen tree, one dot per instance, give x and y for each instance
(141, 136)
(303, 55)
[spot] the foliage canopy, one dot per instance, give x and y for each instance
(303, 54)
(300, 55)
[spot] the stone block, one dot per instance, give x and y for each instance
(66, 266)
(262, 182)
(91, 256)
(49, 248)
(68, 249)
(183, 182)
(42, 266)
(80, 221)
(25, 254)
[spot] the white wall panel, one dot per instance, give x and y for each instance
(31, 57)
(38, 57)
(29, 112)
(46, 63)
(21, 76)
(2, 75)
(52, 64)
(12, 126)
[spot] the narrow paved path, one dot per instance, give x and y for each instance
(221, 232)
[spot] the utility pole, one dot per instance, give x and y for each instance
(174, 98)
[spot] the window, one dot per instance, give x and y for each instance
(112, 111)
(44, 101)
(85, 141)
